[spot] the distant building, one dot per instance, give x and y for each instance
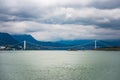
(2, 47)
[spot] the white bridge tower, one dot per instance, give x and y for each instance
(95, 44)
(24, 45)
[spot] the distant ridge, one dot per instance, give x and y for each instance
(23, 37)
(112, 42)
(7, 39)
(29, 38)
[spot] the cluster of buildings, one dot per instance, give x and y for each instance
(6, 48)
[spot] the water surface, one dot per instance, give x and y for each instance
(59, 65)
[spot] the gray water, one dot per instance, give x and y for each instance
(59, 65)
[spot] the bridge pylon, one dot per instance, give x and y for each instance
(24, 45)
(95, 46)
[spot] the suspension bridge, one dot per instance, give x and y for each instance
(26, 45)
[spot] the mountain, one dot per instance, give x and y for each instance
(105, 42)
(66, 44)
(34, 42)
(25, 37)
(75, 42)
(113, 42)
(7, 39)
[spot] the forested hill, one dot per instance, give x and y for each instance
(7, 39)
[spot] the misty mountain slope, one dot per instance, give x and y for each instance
(25, 37)
(7, 39)
(31, 39)
(109, 42)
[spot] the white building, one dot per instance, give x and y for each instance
(2, 47)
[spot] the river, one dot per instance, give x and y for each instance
(59, 65)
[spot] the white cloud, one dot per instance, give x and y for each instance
(58, 11)
(46, 2)
(60, 19)
(52, 32)
(93, 14)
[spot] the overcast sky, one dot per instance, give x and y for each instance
(52, 20)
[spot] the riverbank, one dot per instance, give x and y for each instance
(109, 49)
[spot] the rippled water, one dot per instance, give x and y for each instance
(59, 65)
